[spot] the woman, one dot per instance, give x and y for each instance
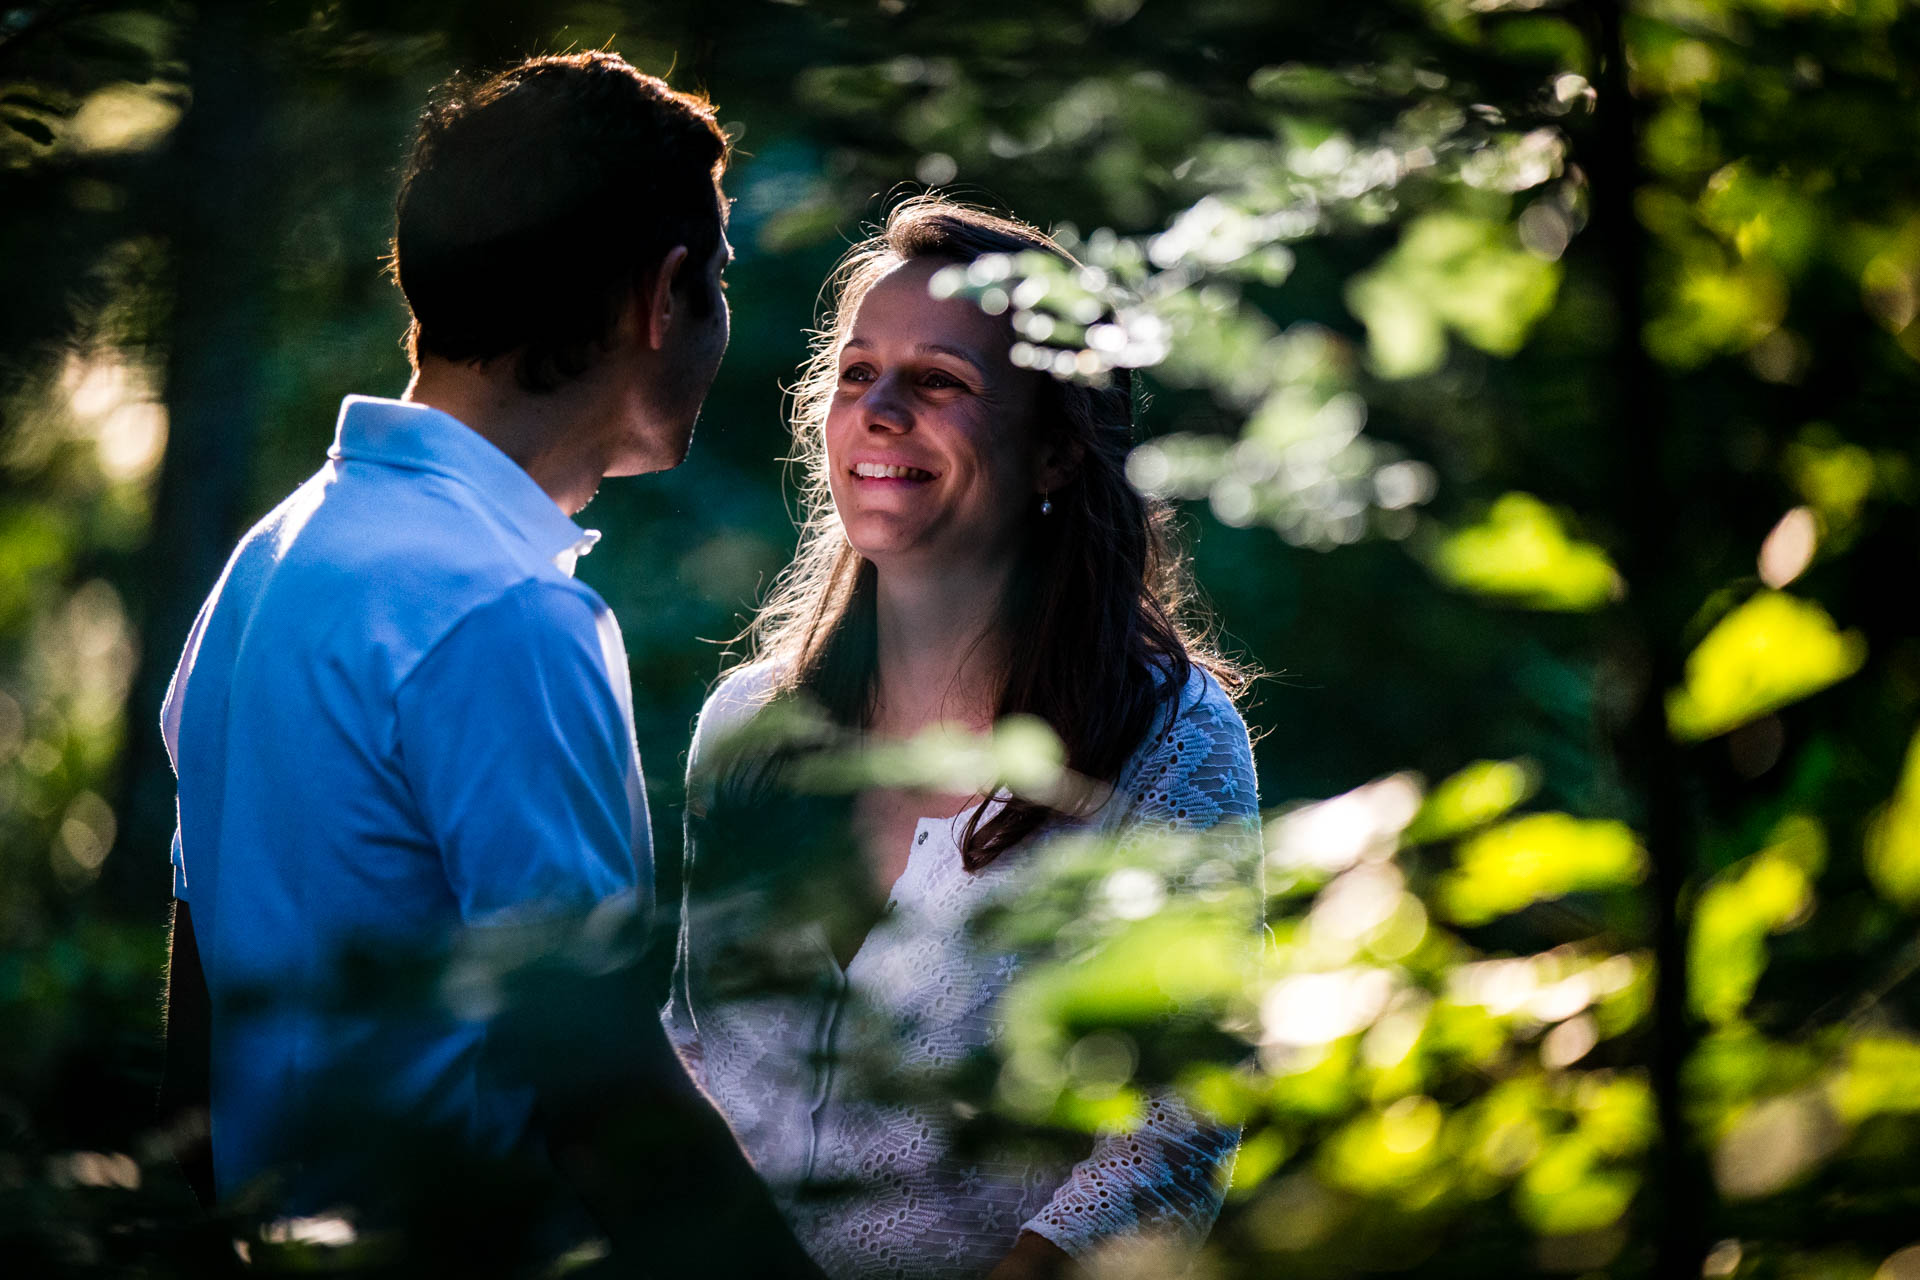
(972, 550)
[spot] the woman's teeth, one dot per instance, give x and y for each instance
(875, 471)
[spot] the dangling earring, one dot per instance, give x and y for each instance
(1046, 505)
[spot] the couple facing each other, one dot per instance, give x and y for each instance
(399, 715)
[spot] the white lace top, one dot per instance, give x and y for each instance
(920, 994)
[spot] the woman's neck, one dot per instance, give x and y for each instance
(941, 646)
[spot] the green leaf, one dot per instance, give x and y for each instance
(1395, 1151)
(1451, 272)
(1880, 1075)
(1568, 1190)
(1714, 309)
(1893, 838)
(1541, 856)
(1835, 477)
(1522, 554)
(1771, 651)
(1480, 793)
(1298, 83)
(1753, 898)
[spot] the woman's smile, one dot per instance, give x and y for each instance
(884, 472)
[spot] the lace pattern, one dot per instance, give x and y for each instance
(809, 1078)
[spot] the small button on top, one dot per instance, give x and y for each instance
(921, 838)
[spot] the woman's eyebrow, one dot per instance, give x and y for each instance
(927, 348)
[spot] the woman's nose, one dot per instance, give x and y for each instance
(885, 407)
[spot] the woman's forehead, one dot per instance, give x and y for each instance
(898, 305)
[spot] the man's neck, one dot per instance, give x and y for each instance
(941, 648)
(551, 435)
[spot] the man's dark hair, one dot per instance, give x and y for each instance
(536, 199)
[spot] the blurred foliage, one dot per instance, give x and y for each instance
(1521, 553)
(1379, 269)
(1769, 652)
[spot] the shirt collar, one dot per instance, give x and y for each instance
(399, 433)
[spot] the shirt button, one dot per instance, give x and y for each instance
(921, 838)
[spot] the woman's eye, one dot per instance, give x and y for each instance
(942, 381)
(856, 373)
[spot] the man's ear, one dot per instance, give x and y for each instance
(658, 307)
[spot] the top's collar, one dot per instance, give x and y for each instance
(400, 433)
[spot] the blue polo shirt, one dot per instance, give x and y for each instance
(397, 714)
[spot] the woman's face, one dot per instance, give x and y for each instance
(929, 438)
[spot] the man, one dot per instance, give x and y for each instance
(398, 715)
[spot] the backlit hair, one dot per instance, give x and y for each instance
(1099, 596)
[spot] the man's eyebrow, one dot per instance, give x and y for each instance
(935, 348)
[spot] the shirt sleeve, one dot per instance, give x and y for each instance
(1167, 1177)
(179, 865)
(520, 754)
(170, 712)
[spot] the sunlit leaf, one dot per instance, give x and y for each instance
(1740, 907)
(1771, 651)
(1396, 1150)
(1616, 1112)
(1879, 1075)
(1451, 273)
(1307, 1010)
(124, 118)
(1318, 840)
(1259, 1157)
(1893, 838)
(1678, 142)
(1319, 1084)
(1504, 1131)
(1294, 82)
(1890, 278)
(1761, 217)
(1716, 309)
(1570, 1189)
(1021, 753)
(1735, 1064)
(1523, 555)
(1834, 477)
(1184, 958)
(1480, 793)
(1541, 856)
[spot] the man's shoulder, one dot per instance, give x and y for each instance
(392, 561)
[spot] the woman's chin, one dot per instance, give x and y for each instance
(888, 551)
(881, 535)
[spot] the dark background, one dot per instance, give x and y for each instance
(1696, 316)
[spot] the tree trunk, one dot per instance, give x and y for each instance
(216, 209)
(1647, 480)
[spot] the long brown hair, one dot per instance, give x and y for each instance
(1100, 597)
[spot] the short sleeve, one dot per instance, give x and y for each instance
(1167, 1177)
(520, 754)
